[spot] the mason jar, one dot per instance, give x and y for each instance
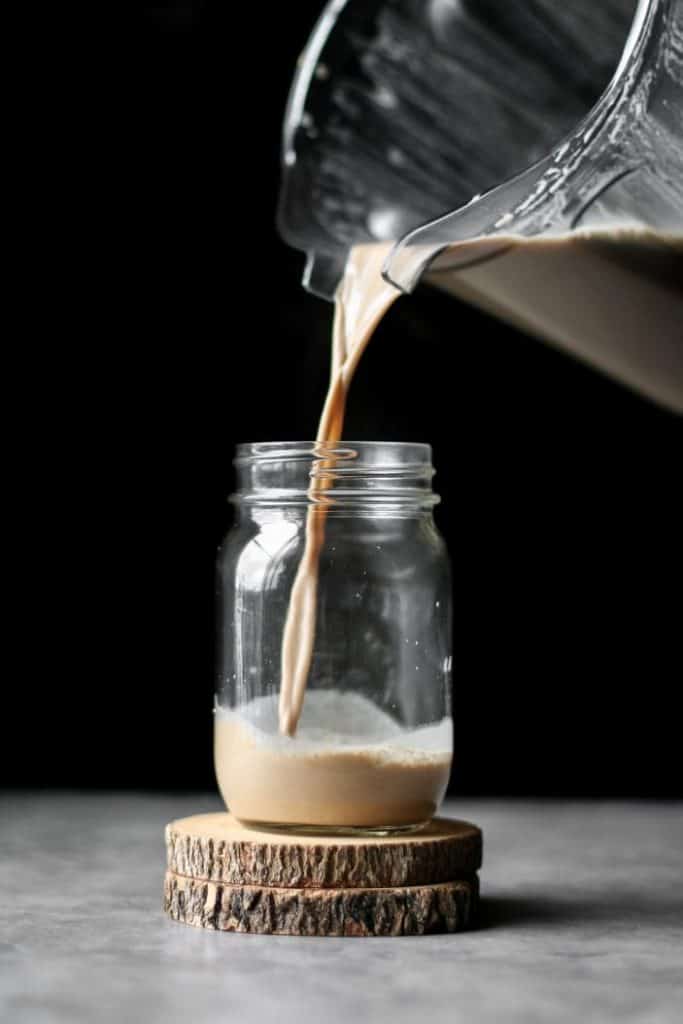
(372, 748)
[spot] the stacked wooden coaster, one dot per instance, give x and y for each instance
(226, 877)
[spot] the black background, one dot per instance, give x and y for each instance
(559, 487)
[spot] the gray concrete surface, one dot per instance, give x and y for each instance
(582, 921)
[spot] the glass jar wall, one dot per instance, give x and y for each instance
(373, 746)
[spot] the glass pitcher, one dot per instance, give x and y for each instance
(402, 109)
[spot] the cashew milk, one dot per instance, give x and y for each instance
(350, 765)
(362, 300)
(614, 298)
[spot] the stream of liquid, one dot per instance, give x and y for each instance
(362, 300)
(614, 298)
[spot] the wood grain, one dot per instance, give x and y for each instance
(263, 910)
(216, 848)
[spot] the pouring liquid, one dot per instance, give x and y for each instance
(614, 298)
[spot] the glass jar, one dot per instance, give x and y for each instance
(373, 747)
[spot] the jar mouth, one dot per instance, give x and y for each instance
(343, 474)
(374, 454)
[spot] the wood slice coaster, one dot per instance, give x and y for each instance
(262, 910)
(226, 877)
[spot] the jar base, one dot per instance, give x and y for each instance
(371, 831)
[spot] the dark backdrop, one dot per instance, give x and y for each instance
(559, 487)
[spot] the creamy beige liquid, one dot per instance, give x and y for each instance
(370, 772)
(350, 765)
(362, 300)
(615, 299)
